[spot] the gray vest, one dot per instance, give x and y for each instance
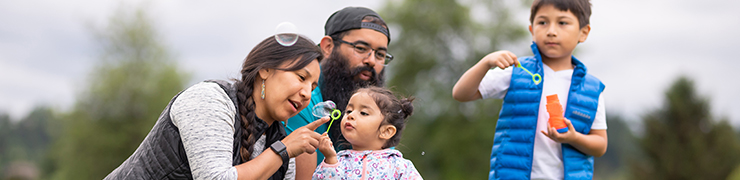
(162, 156)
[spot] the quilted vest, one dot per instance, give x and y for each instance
(513, 143)
(162, 155)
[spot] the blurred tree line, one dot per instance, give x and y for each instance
(435, 42)
(124, 96)
(125, 93)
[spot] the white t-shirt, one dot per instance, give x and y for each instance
(547, 162)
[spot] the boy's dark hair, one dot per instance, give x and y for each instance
(395, 111)
(580, 8)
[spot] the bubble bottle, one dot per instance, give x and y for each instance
(556, 114)
(327, 109)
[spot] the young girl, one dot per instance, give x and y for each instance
(372, 123)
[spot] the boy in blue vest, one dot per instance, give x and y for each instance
(524, 146)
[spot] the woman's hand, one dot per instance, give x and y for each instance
(304, 139)
(327, 148)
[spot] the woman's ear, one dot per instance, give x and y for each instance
(264, 73)
(387, 131)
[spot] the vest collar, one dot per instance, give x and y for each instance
(579, 70)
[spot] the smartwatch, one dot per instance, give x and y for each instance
(280, 149)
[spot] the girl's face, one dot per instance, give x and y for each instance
(361, 123)
(286, 92)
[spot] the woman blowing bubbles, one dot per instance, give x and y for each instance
(217, 130)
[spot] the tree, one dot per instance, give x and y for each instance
(620, 150)
(437, 41)
(25, 142)
(682, 140)
(33, 134)
(5, 132)
(124, 96)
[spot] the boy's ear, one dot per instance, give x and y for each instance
(387, 131)
(530, 30)
(327, 45)
(584, 33)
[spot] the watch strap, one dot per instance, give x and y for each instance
(281, 150)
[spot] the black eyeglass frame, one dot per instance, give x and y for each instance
(386, 59)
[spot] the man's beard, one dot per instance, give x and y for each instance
(340, 81)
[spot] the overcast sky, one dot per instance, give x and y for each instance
(637, 48)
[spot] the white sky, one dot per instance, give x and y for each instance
(636, 47)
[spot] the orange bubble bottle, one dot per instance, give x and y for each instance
(556, 114)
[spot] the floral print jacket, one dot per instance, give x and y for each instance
(370, 165)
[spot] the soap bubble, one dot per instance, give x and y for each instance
(323, 109)
(286, 34)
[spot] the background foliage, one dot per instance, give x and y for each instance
(126, 93)
(434, 42)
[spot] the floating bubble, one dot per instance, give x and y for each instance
(286, 34)
(323, 109)
(422, 153)
(326, 109)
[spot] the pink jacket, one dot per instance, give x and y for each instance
(370, 165)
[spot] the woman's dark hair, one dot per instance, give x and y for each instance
(267, 54)
(395, 111)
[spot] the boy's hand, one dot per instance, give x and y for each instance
(501, 59)
(327, 148)
(566, 137)
(594, 143)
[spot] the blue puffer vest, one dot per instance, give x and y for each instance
(513, 143)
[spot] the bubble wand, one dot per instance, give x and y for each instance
(535, 77)
(327, 109)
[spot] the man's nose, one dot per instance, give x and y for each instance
(370, 60)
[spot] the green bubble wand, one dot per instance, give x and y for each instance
(327, 109)
(535, 77)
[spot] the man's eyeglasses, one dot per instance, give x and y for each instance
(363, 50)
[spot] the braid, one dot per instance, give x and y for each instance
(246, 112)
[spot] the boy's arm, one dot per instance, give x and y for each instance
(466, 89)
(594, 143)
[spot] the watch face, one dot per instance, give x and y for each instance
(278, 146)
